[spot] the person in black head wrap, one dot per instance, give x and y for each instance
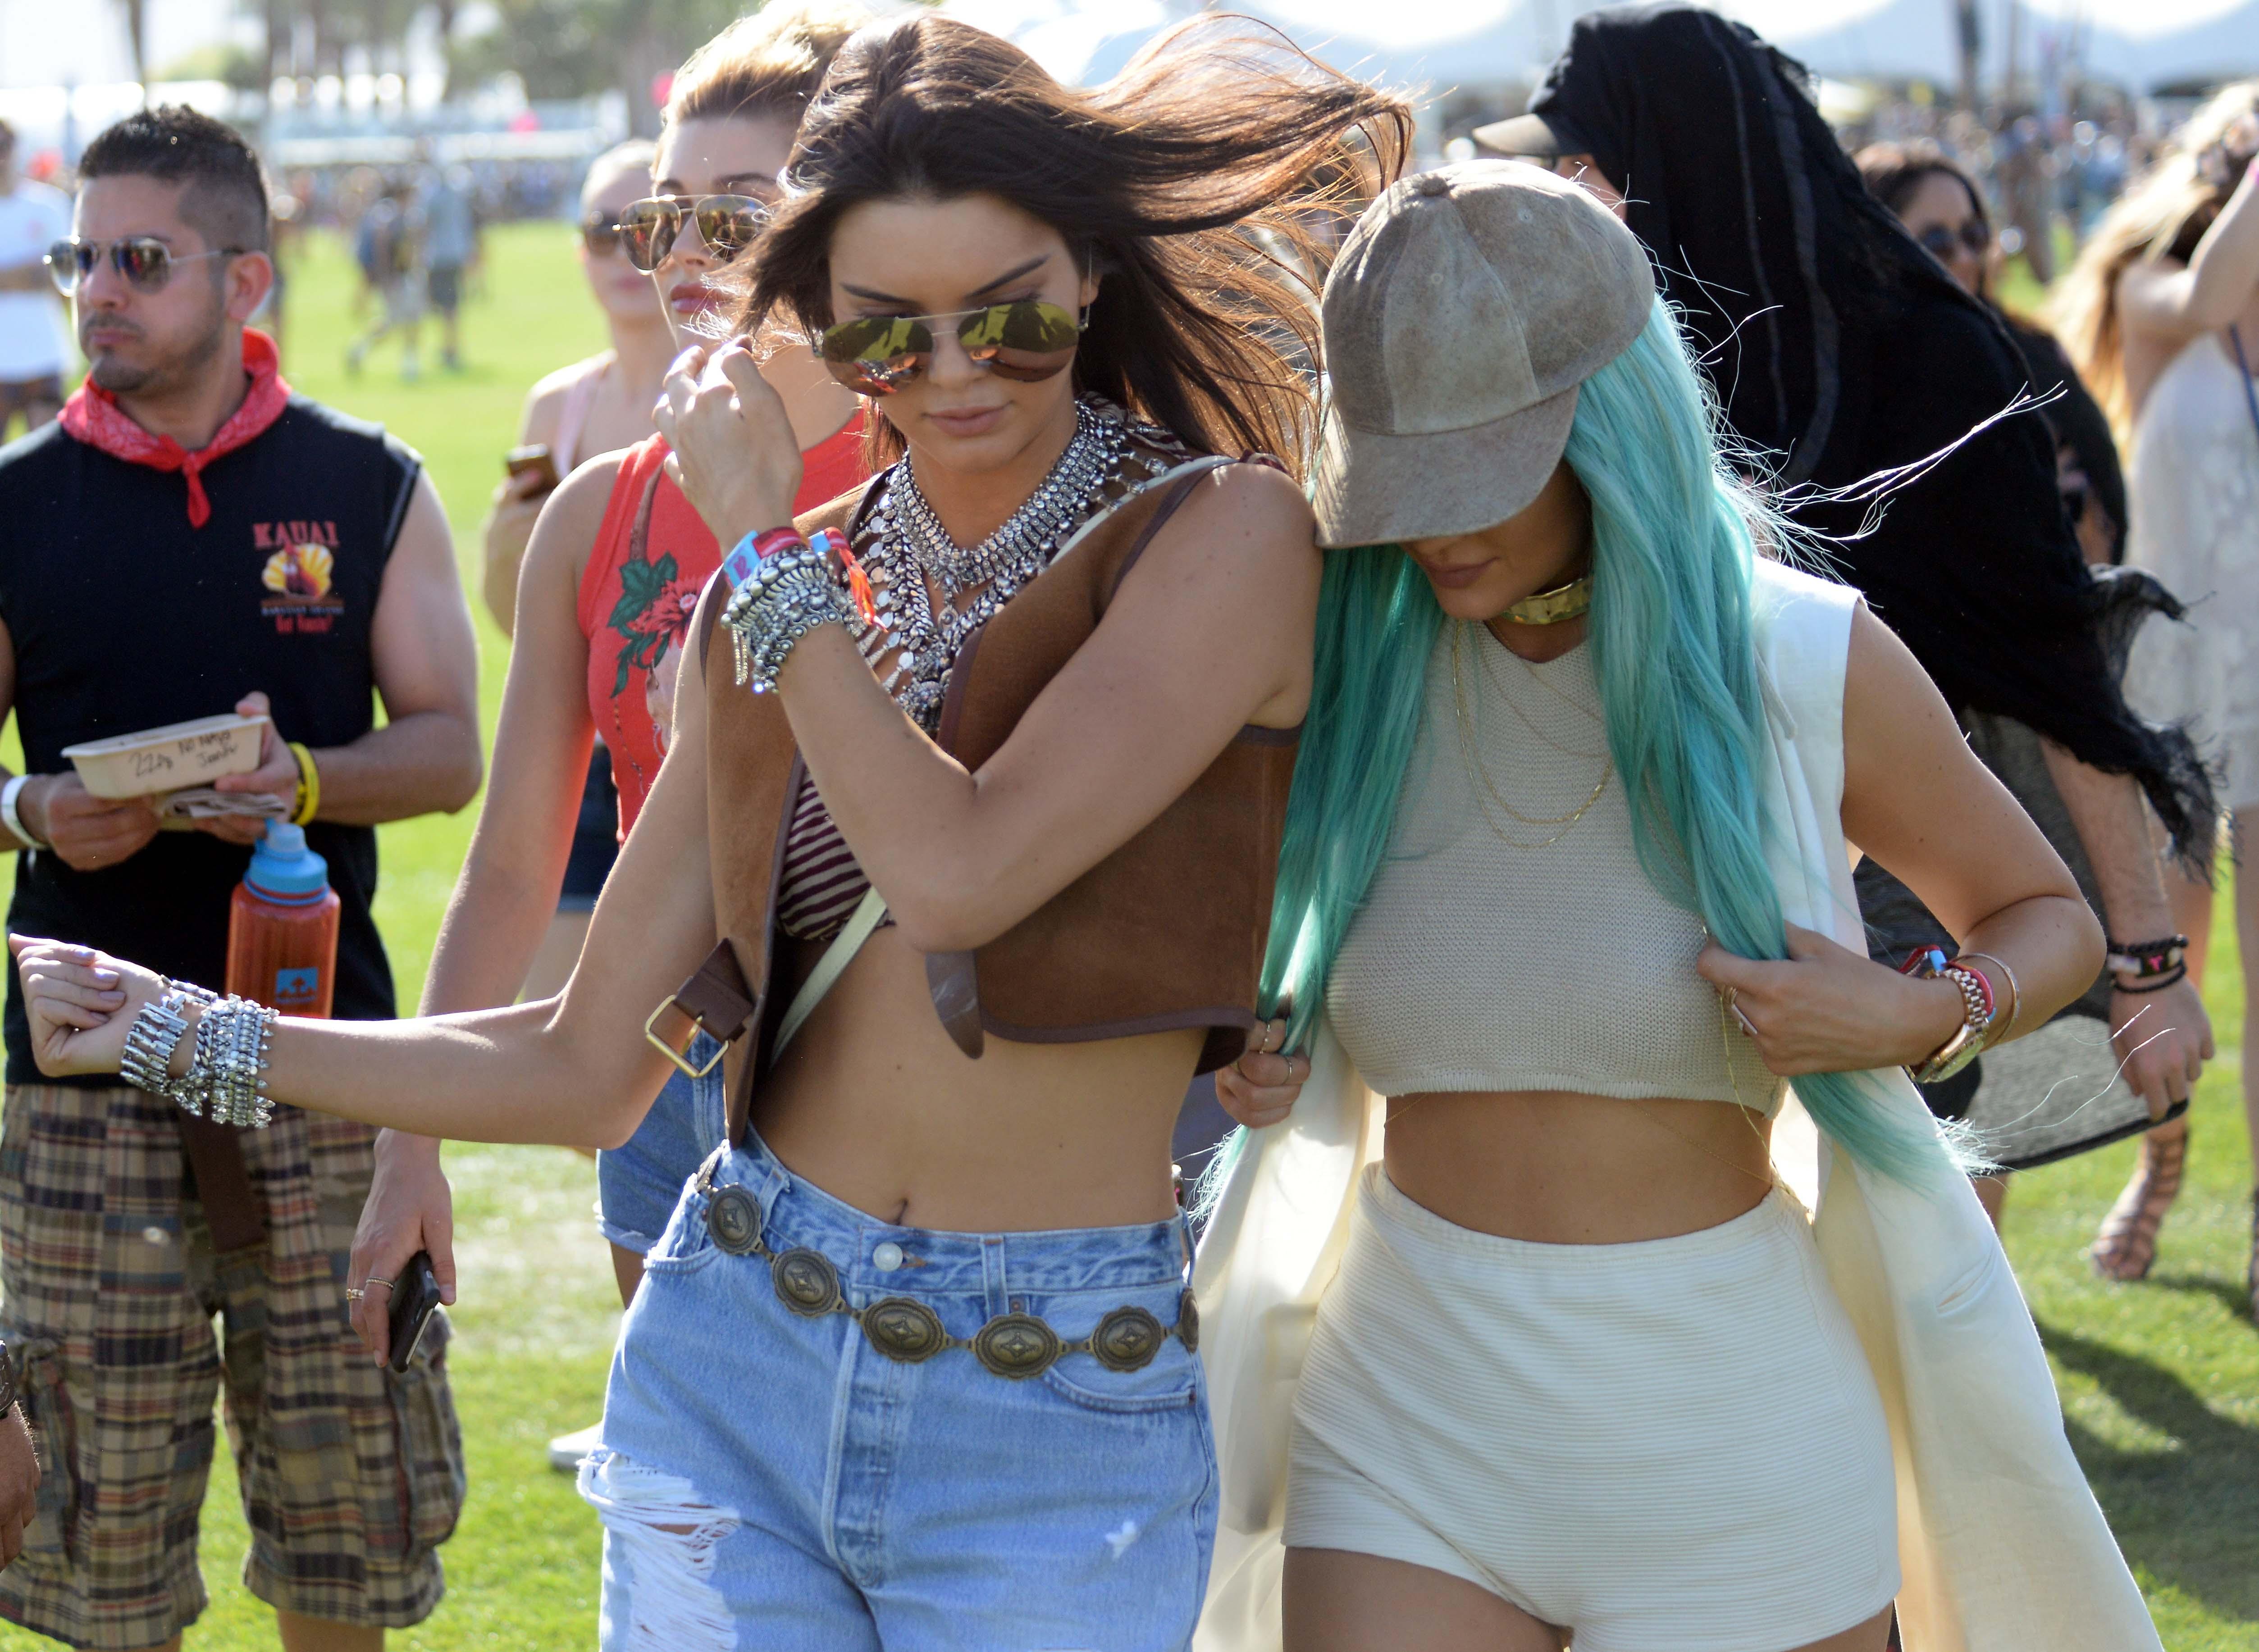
(1842, 352)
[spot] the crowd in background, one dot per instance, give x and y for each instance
(2141, 240)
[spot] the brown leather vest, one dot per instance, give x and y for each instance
(1168, 931)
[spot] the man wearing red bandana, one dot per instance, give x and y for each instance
(191, 539)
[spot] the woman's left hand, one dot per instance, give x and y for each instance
(735, 457)
(80, 1003)
(1828, 1009)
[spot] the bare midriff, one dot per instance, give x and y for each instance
(874, 1104)
(1557, 1168)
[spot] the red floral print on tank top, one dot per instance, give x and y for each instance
(636, 602)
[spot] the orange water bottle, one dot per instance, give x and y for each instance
(282, 926)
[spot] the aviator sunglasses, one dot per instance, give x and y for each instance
(145, 262)
(1027, 340)
(599, 234)
(1940, 243)
(728, 223)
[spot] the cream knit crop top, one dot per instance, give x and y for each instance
(1482, 961)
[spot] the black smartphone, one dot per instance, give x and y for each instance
(413, 1299)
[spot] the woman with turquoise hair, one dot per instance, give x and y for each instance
(1566, 880)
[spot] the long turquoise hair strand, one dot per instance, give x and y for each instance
(1674, 540)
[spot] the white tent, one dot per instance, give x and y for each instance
(1443, 44)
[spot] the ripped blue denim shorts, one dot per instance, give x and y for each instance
(640, 1183)
(770, 1479)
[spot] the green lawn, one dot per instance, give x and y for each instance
(2161, 1381)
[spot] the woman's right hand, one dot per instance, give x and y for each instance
(80, 1003)
(409, 1208)
(1260, 1088)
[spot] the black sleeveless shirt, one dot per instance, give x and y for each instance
(123, 617)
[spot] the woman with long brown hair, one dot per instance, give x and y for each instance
(2162, 316)
(914, 1363)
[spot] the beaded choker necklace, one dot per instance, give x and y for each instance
(908, 546)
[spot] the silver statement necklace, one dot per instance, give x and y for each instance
(908, 546)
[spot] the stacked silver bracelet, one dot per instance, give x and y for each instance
(788, 595)
(226, 1081)
(231, 1065)
(156, 1032)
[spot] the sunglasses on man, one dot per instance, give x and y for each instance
(727, 224)
(1028, 340)
(146, 263)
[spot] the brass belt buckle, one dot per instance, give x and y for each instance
(665, 1049)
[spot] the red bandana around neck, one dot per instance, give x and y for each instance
(93, 416)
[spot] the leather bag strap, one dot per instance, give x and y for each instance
(714, 1001)
(1187, 477)
(231, 1210)
(861, 924)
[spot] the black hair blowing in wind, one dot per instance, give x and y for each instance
(1842, 351)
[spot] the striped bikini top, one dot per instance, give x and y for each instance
(821, 882)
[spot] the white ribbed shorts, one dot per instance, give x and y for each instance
(1670, 1446)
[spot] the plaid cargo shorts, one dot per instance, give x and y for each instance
(351, 1475)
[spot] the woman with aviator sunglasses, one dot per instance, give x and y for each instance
(600, 403)
(615, 565)
(915, 1364)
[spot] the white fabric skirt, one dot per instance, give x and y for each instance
(1669, 1446)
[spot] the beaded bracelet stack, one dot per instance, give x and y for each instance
(2147, 966)
(226, 1080)
(785, 588)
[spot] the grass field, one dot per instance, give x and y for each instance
(2160, 1381)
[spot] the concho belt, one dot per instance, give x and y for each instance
(906, 1330)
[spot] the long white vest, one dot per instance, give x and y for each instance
(2002, 1545)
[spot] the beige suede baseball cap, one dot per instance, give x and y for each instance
(1465, 309)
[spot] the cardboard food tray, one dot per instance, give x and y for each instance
(170, 758)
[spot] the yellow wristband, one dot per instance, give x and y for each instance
(309, 786)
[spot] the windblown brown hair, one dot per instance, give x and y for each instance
(769, 63)
(1187, 183)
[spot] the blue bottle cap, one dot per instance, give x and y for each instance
(283, 869)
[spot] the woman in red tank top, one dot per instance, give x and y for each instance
(609, 579)
(652, 557)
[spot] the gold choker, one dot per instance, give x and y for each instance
(1551, 607)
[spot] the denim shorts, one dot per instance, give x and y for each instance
(771, 1481)
(639, 1182)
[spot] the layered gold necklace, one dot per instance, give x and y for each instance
(1470, 752)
